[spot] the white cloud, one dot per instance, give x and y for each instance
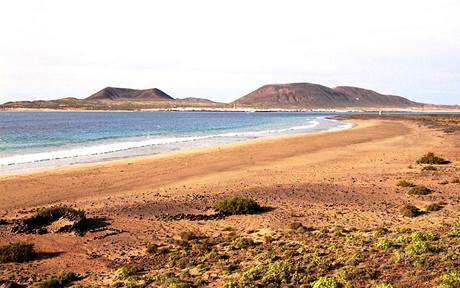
(223, 50)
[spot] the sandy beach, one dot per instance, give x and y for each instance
(343, 178)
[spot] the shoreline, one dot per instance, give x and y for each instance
(176, 152)
(94, 180)
(126, 148)
(246, 109)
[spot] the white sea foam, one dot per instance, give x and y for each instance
(130, 144)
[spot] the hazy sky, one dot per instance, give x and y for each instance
(225, 49)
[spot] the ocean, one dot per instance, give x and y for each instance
(31, 140)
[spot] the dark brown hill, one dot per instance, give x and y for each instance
(112, 93)
(371, 98)
(307, 95)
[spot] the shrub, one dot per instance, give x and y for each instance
(50, 283)
(360, 273)
(325, 282)
(278, 272)
(237, 205)
(424, 236)
(419, 190)
(242, 242)
(456, 180)
(429, 168)
(455, 229)
(383, 285)
(384, 244)
(421, 247)
(152, 248)
(431, 158)
(178, 285)
(17, 252)
(45, 216)
(405, 183)
(124, 272)
(433, 207)
(3, 221)
(450, 280)
(56, 212)
(410, 211)
(62, 279)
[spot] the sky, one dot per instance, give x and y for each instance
(223, 50)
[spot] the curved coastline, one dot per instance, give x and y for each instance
(33, 161)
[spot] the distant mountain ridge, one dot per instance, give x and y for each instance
(295, 96)
(113, 93)
(308, 95)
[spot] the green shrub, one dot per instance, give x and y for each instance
(50, 283)
(278, 272)
(450, 280)
(433, 207)
(124, 272)
(271, 274)
(455, 229)
(429, 168)
(361, 273)
(423, 236)
(60, 280)
(419, 190)
(405, 183)
(237, 205)
(178, 284)
(241, 242)
(56, 212)
(17, 252)
(410, 211)
(431, 158)
(384, 244)
(325, 282)
(382, 285)
(421, 247)
(152, 248)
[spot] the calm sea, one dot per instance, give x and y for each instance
(30, 140)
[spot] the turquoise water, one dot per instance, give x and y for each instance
(31, 140)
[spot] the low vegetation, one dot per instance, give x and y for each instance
(124, 272)
(384, 244)
(61, 280)
(405, 183)
(429, 168)
(450, 280)
(17, 252)
(431, 158)
(455, 229)
(237, 205)
(455, 180)
(326, 257)
(419, 190)
(410, 211)
(326, 282)
(56, 212)
(76, 220)
(434, 207)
